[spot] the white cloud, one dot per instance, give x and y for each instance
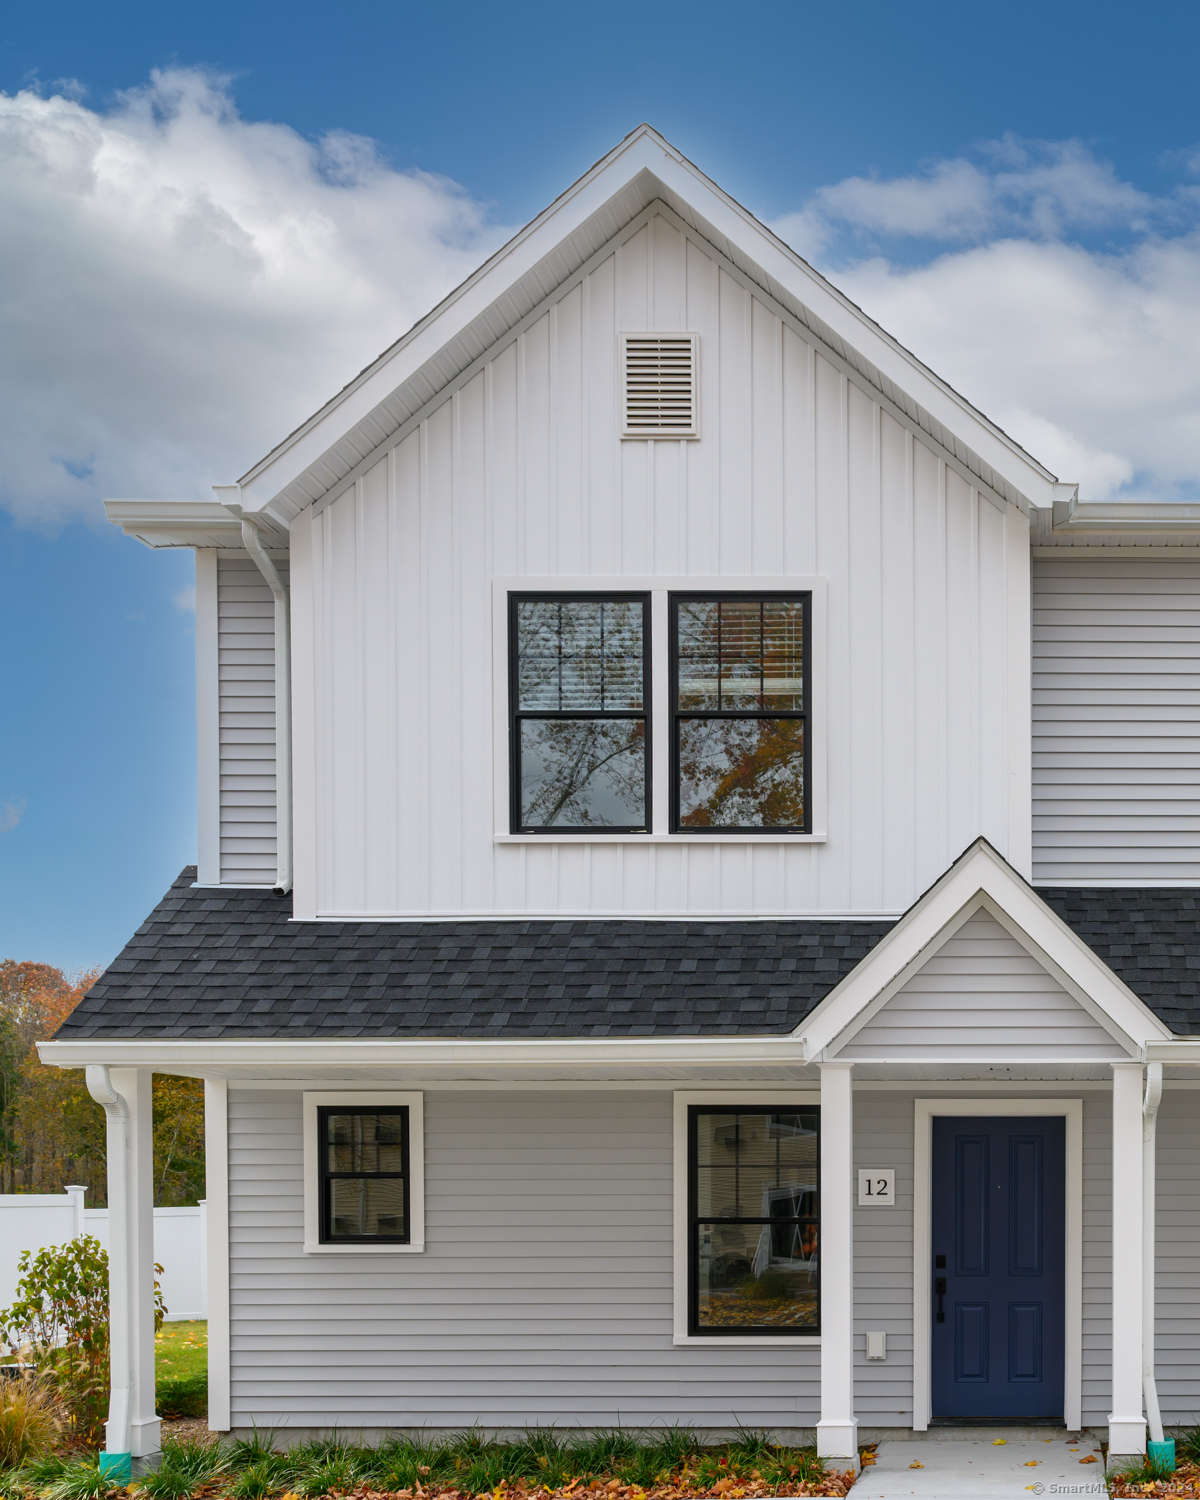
(192, 285)
(11, 814)
(1089, 354)
(185, 599)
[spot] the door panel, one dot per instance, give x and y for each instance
(999, 1220)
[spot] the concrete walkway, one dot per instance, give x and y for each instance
(958, 1468)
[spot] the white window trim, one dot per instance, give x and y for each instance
(750, 1098)
(924, 1111)
(659, 589)
(352, 1098)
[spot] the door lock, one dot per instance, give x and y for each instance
(939, 1286)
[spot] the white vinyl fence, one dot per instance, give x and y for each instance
(29, 1221)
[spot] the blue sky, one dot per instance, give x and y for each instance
(211, 215)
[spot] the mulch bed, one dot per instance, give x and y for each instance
(1184, 1484)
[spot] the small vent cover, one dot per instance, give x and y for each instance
(658, 373)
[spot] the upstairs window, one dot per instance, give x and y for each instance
(579, 686)
(739, 694)
(753, 1220)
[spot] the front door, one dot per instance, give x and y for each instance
(999, 1212)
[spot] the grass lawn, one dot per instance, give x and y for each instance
(180, 1350)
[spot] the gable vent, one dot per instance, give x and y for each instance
(659, 390)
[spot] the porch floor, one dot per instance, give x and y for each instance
(958, 1467)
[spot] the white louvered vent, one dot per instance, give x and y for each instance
(658, 397)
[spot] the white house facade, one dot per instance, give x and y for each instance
(699, 859)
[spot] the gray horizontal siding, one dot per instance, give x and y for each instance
(543, 1295)
(982, 995)
(1116, 720)
(246, 676)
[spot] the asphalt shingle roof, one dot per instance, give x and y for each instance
(212, 963)
(1148, 937)
(230, 963)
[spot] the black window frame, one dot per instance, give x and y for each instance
(695, 1222)
(325, 1176)
(803, 597)
(516, 714)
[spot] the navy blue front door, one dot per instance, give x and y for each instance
(999, 1208)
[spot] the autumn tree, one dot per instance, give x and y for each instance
(52, 1131)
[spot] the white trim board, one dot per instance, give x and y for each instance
(208, 722)
(981, 873)
(679, 1215)
(923, 1112)
(414, 1103)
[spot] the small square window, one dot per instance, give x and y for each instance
(363, 1172)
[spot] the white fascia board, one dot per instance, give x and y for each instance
(1180, 1052)
(436, 1053)
(1102, 516)
(642, 151)
(181, 523)
(980, 871)
(480, 290)
(887, 354)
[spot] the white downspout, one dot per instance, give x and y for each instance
(119, 1427)
(283, 707)
(1154, 1084)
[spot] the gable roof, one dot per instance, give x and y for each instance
(980, 879)
(329, 449)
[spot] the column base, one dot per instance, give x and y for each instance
(838, 1441)
(1126, 1439)
(145, 1437)
(148, 1463)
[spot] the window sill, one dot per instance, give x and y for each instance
(600, 837)
(746, 1341)
(310, 1249)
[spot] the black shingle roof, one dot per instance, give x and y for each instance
(229, 963)
(210, 963)
(1149, 938)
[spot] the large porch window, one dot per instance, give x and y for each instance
(754, 1219)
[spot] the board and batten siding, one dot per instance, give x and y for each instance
(544, 1293)
(1116, 719)
(521, 473)
(246, 717)
(980, 996)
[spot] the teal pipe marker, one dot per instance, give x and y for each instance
(1161, 1456)
(118, 1466)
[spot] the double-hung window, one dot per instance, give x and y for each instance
(579, 688)
(753, 1220)
(364, 1174)
(739, 710)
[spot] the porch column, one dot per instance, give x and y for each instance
(1126, 1425)
(132, 1427)
(837, 1431)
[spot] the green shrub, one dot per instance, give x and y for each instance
(61, 1317)
(182, 1396)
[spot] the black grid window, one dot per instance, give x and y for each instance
(754, 1219)
(739, 712)
(579, 687)
(364, 1175)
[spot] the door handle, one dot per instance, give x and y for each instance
(939, 1286)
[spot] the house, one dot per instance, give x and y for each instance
(699, 849)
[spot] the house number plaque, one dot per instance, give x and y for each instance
(877, 1187)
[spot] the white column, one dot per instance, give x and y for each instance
(837, 1431)
(1126, 1425)
(132, 1425)
(216, 1212)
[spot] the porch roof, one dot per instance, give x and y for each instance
(231, 963)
